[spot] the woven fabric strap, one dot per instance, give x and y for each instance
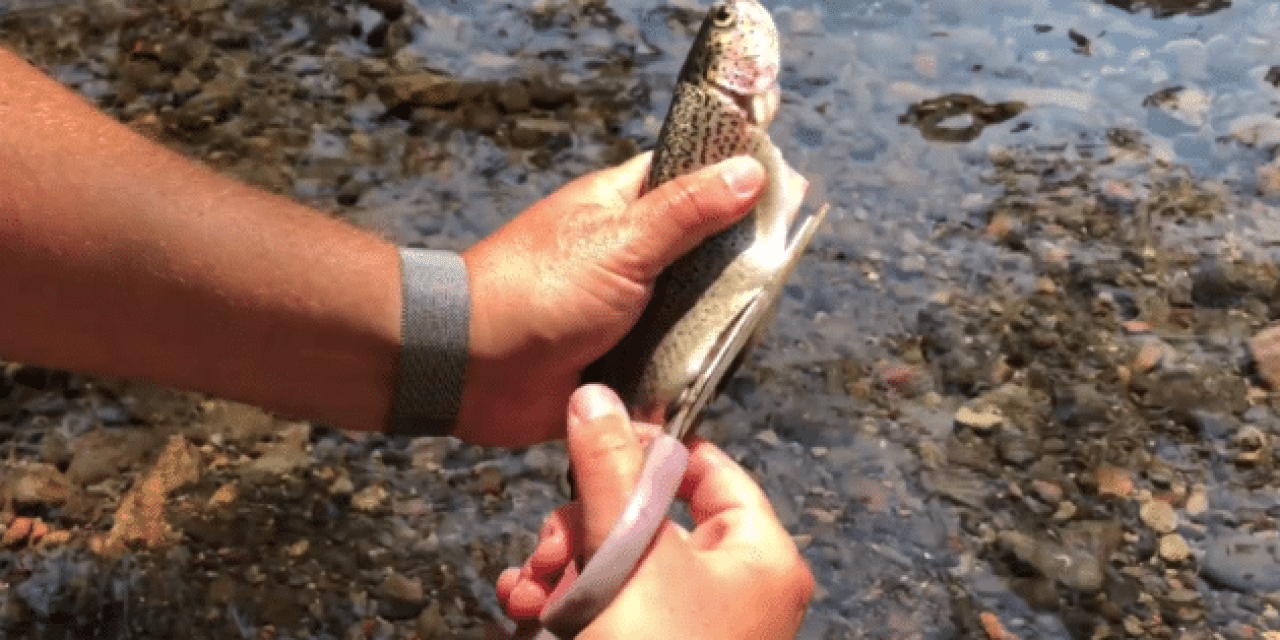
(435, 319)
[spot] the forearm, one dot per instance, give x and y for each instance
(120, 257)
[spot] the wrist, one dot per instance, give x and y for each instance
(434, 355)
(513, 394)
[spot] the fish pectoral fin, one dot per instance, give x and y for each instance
(801, 237)
(720, 362)
(724, 355)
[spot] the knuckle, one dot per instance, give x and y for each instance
(790, 573)
(683, 203)
(802, 582)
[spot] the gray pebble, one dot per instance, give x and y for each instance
(1244, 563)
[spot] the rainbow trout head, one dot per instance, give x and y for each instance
(727, 91)
(710, 304)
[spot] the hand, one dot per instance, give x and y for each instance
(737, 575)
(558, 286)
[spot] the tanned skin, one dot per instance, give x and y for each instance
(123, 258)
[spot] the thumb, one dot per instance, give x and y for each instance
(684, 211)
(607, 458)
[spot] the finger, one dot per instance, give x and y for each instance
(507, 582)
(606, 456)
(523, 591)
(519, 597)
(683, 212)
(734, 515)
(559, 543)
(715, 485)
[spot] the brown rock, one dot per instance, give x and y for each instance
(1174, 548)
(17, 532)
(398, 587)
(980, 420)
(58, 538)
(1151, 355)
(225, 496)
(342, 486)
(38, 531)
(238, 422)
(1197, 502)
(139, 522)
(1134, 327)
(287, 455)
(428, 454)
(103, 453)
(549, 95)
(427, 89)
(531, 133)
(40, 485)
(207, 108)
(1251, 443)
(371, 499)
(995, 630)
(1050, 492)
(299, 548)
(177, 466)
(513, 97)
(1265, 348)
(430, 624)
(490, 479)
(1268, 179)
(1114, 482)
(1158, 515)
(142, 518)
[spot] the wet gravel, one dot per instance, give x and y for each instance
(1023, 386)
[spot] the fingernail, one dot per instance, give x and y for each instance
(596, 401)
(742, 174)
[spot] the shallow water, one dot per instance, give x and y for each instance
(851, 70)
(906, 262)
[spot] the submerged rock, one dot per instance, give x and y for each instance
(142, 519)
(1248, 563)
(41, 485)
(1074, 567)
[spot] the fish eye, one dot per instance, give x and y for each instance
(723, 17)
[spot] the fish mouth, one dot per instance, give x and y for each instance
(757, 108)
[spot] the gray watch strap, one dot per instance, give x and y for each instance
(435, 319)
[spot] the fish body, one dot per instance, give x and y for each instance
(708, 306)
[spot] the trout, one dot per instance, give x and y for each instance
(710, 306)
